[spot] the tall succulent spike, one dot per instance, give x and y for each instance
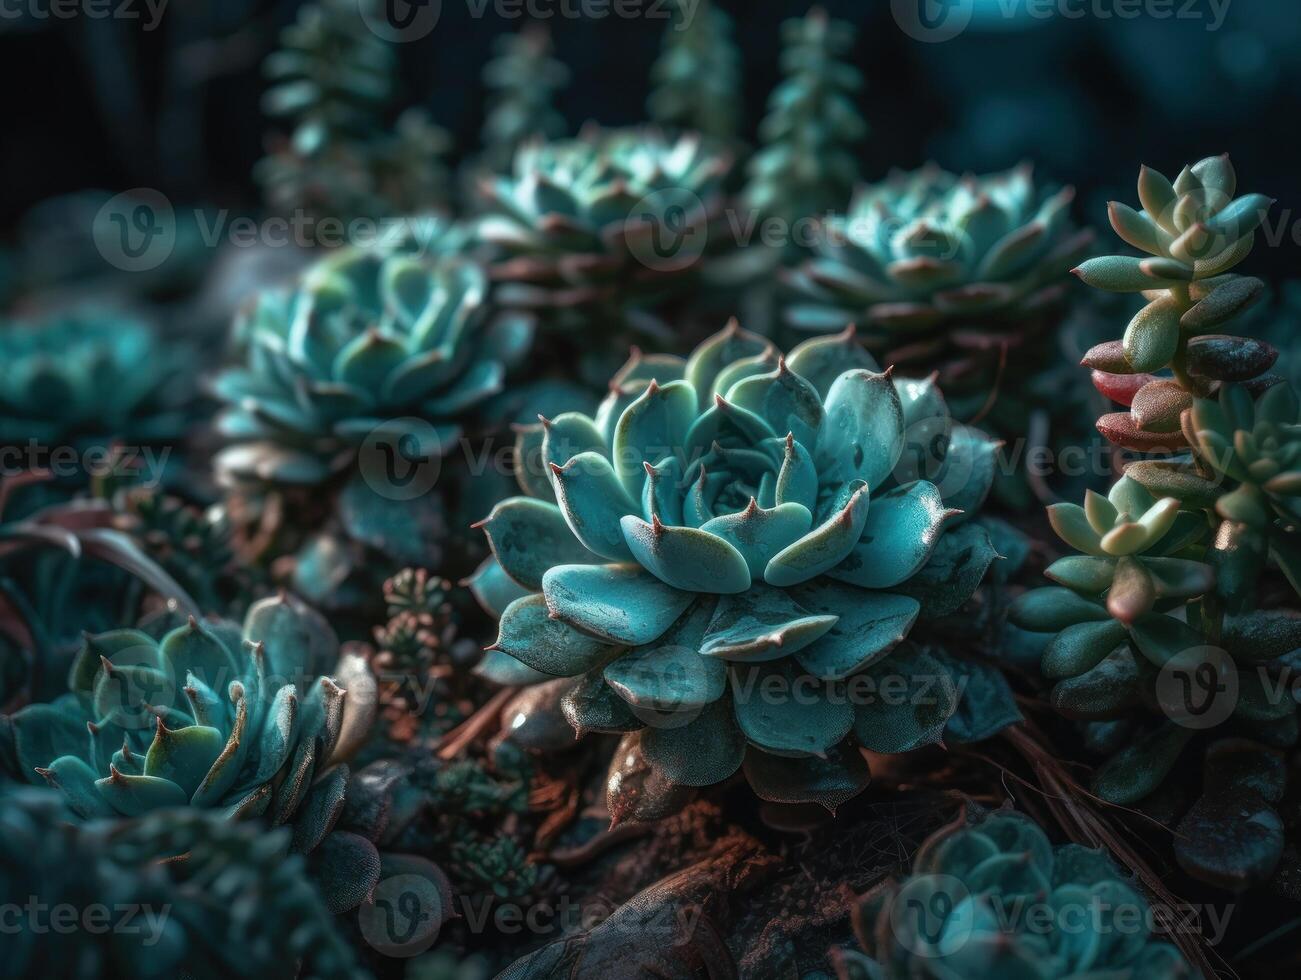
(523, 80)
(333, 79)
(808, 160)
(697, 77)
(1160, 609)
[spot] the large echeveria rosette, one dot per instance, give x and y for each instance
(240, 721)
(990, 896)
(736, 522)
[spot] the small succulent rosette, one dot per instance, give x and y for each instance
(598, 231)
(1193, 231)
(991, 897)
(728, 560)
(392, 341)
(212, 716)
(356, 385)
(82, 383)
(935, 265)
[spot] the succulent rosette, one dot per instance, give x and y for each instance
(88, 374)
(211, 716)
(598, 231)
(929, 264)
(395, 340)
(737, 520)
(356, 384)
(990, 896)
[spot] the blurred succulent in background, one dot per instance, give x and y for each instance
(333, 78)
(1194, 231)
(942, 270)
(599, 235)
(81, 381)
(807, 161)
(696, 81)
(968, 909)
(211, 716)
(194, 546)
(732, 522)
(235, 903)
(356, 383)
(523, 80)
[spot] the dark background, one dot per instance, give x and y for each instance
(104, 104)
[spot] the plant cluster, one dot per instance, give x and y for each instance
(440, 616)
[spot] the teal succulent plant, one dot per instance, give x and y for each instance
(235, 904)
(523, 80)
(373, 340)
(209, 716)
(600, 231)
(990, 896)
(697, 77)
(88, 375)
(736, 521)
(1194, 232)
(938, 268)
(385, 352)
(807, 162)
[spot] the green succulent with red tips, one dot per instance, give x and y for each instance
(741, 518)
(1194, 231)
(212, 716)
